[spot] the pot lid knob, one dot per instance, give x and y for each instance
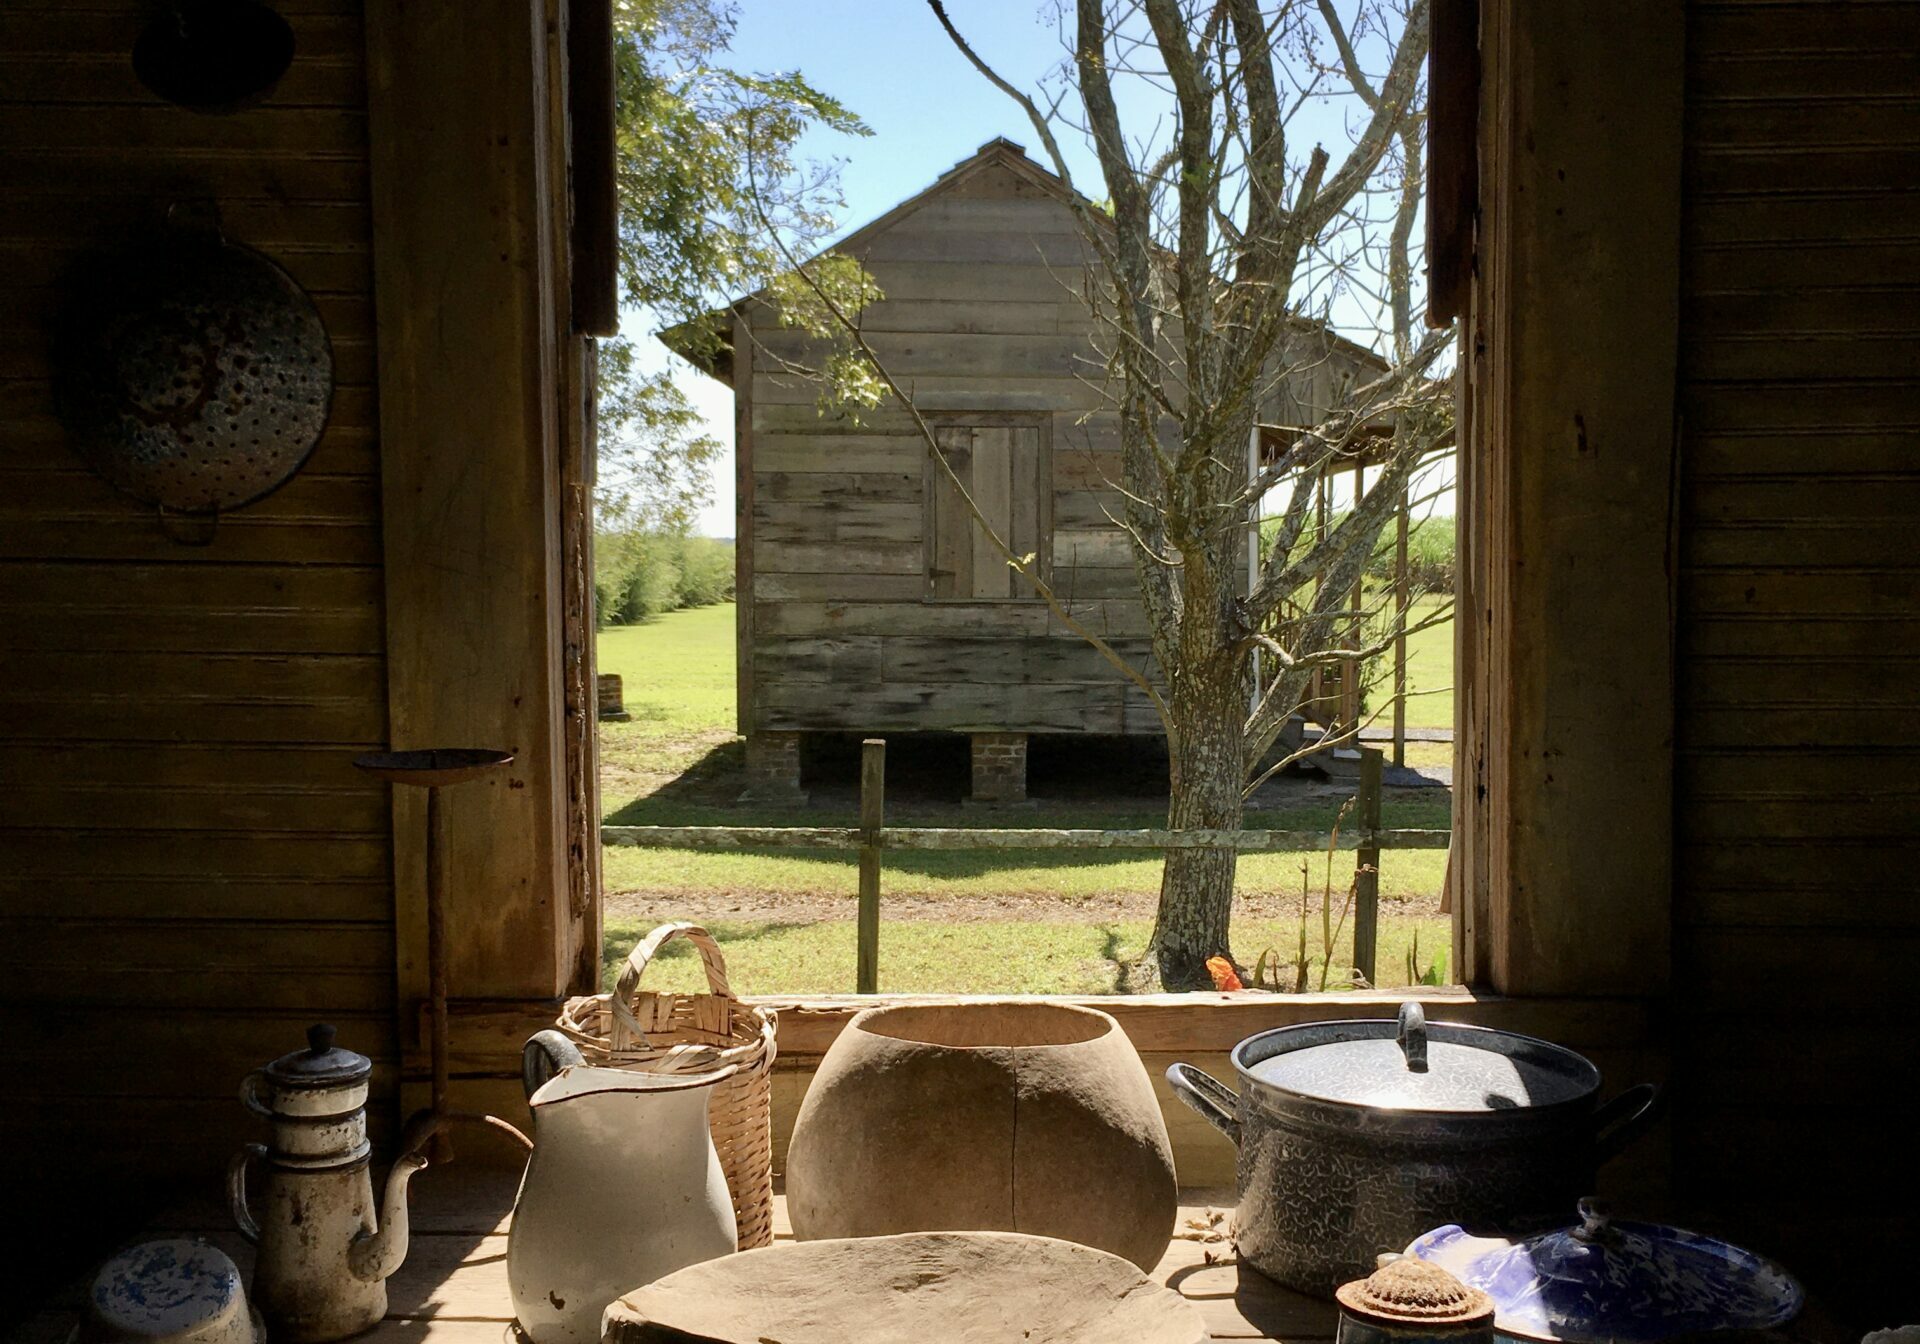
(320, 1037)
(1408, 1290)
(1412, 1035)
(1596, 1222)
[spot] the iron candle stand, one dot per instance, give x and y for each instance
(433, 769)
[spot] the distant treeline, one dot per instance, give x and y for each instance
(1430, 549)
(637, 575)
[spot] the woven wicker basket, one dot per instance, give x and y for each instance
(634, 1028)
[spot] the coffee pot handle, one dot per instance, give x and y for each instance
(237, 1190)
(250, 1095)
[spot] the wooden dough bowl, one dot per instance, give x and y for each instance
(950, 1287)
(995, 1116)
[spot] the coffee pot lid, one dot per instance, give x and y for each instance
(321, 1064)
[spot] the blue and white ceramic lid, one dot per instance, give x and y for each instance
(1599, 1281)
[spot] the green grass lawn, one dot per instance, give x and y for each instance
(678, 671)
(999, 957)
(1429, 672)
(1059, 879)
(1034, 921)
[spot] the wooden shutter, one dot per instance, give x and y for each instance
(949, 525)
(1004, 468)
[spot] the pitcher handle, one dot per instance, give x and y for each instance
(544, 1055)
(1206, 1094)
(237, 1190)
(1620, 1121)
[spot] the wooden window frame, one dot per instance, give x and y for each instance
(934, 478)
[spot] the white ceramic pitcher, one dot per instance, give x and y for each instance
(623, 1187)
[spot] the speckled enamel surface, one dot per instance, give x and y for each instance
(1642, 1283)
(176, 1290)
(1316, 1208)
(1468, 1069)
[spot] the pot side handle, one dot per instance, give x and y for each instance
(1215, 1101)
(1620, 1121)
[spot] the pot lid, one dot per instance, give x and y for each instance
(1405, 1065)
(321, 1064)
(1601, 1280)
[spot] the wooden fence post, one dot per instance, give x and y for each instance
(1401, 601)
(1366, 859)
(873, 815)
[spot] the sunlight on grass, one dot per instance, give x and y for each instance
(1429, 674)
(677, 670)
(1072, 918)
(973, 958)
(1069, 876)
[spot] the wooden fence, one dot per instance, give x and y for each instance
(873, 837)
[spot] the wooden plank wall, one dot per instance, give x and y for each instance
(1798, 799)
(190, 870)
(982, 316)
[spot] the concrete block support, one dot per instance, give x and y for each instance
(999, 768)
(773, 769)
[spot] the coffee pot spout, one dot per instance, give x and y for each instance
(376, 1254)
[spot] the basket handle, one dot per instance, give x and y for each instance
(643, 954)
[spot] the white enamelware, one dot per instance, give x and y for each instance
(624, 1187)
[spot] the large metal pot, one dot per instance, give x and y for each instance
(1356, 1137)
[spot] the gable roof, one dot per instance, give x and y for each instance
(683, 340)
(717, 361)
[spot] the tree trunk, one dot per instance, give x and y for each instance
(1208, 769)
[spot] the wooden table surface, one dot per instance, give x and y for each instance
(453, 1287)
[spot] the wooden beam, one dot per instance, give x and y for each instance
(1453, 160)
(470, 325)
(1576, 321)
(486, 1035)
(595, 223)
(743, 509)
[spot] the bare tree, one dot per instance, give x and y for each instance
(1220, 255)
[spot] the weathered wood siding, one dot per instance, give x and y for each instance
(984, 322)
(1797, 917)
(190, 870)
(982, 318)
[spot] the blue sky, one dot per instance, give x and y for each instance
(889, 61)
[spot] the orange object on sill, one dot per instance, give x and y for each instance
(1224, 976)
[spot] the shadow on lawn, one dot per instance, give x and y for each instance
(1097, 784)
(1110, 949)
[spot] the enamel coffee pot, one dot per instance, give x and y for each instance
(325, 1251)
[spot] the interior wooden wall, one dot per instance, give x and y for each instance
(1797, 912)
(190, 870)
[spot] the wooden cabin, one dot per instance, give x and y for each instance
(1681, 236)
(870, 600)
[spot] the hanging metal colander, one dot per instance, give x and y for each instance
(193, 373)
